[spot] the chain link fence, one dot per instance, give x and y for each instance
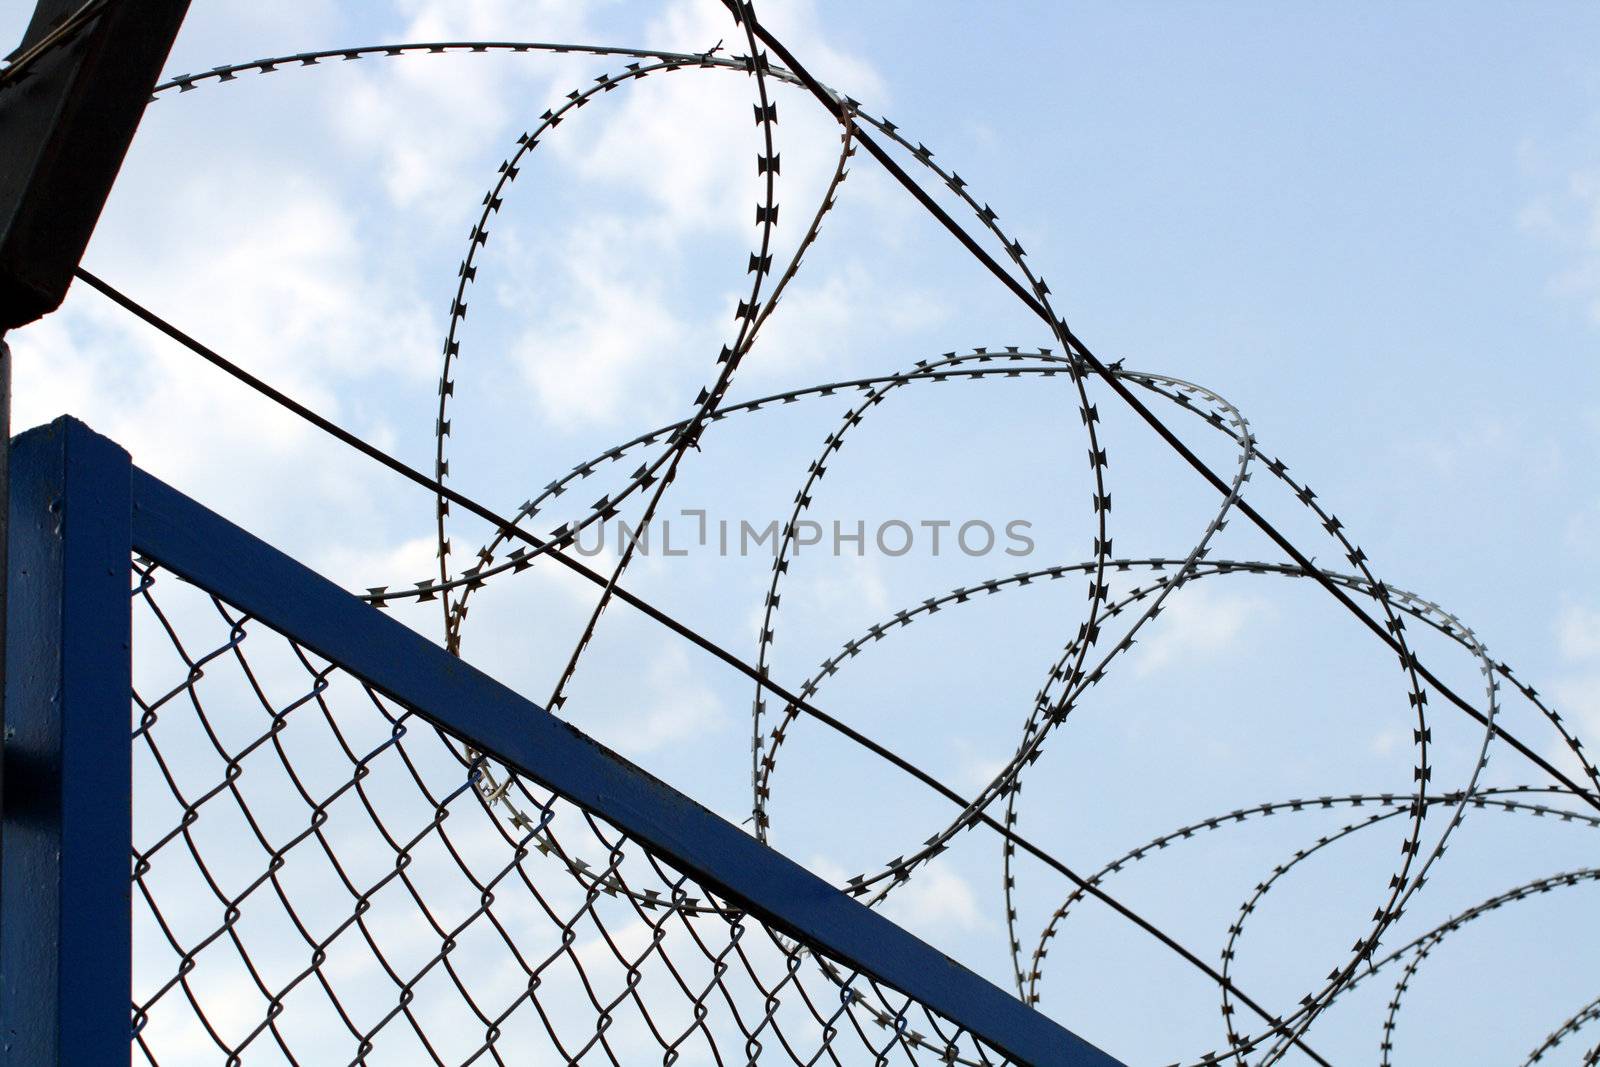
(320, 876)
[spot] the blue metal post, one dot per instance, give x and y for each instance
(65, 970)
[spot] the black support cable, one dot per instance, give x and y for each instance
(371, 451)
(1068, 337)
(62, 35)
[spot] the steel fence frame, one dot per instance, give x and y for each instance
(79, 509)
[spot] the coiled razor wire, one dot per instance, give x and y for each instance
(524, 819)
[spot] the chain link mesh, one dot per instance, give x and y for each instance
(321, 876)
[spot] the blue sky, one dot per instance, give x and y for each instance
(1376, 231)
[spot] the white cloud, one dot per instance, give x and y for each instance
(271, 270)
(850, 584)
(669, 185)
(828, 869)
(1457, 448)
(1577, 695)
(979, 771)
(678, 706)
(291, 282)
(1570, 220)
(1387, 740)
(1578, 633)
(680, 142)
(935, 899)
(1581, 535)
(1198, 622)
(427, 120)
(685, 141)
(818, 319)
(409, 560)
(692, 26)
(601, 357)
(1577, 698)
(1486, 442)
(545, 20)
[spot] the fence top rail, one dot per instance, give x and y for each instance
(212, 553)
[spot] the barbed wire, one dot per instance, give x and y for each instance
(1069, 679)
(1570, 1026)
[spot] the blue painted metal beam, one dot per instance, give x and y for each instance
(248, 573)
(65, 918)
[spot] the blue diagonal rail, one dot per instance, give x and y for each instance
(96, 480)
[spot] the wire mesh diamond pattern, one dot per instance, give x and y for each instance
(322, 876)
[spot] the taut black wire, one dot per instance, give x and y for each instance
(1068, 337)
(56, 38)
(411, 473)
